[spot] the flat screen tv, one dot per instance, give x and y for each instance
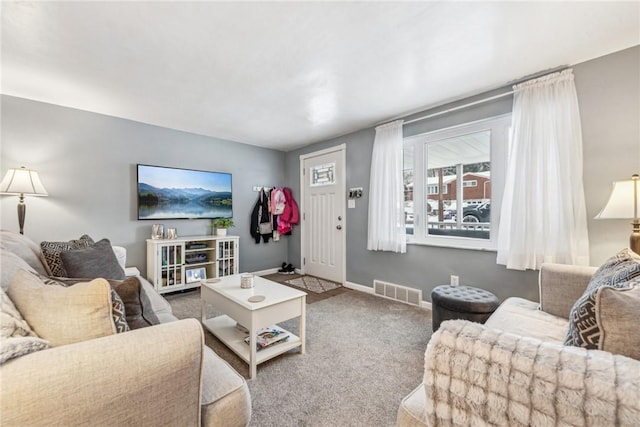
(172, 193)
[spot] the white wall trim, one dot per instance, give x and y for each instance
(349, 285)
(425, 305)
(357, 287)
(265, 272)
(339, 147)
(273, 271)
(342, 149)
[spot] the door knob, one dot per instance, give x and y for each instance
(339, 227)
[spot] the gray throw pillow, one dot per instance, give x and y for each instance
(616, 272)
(617, 315)
(92, 262)
(52, 251)
(138, 310)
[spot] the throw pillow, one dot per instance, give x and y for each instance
(617, 316)
(137, 305)
(24, 248)
(616, 272)
(117, 306)
(63, 315)
(97, 260)
(52, 251)
(10, 264)
(16, 336)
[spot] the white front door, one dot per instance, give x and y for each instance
(323, 224)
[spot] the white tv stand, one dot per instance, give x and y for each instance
(179, 264)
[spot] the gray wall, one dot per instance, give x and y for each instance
(88, 161)
(609, 100)
(609, 95)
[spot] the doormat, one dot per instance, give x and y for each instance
(313, 284)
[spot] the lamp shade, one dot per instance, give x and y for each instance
(22, 182)
(621, 201)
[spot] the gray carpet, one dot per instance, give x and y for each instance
(364, 354)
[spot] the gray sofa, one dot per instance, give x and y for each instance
(516, 371)
(158, 375)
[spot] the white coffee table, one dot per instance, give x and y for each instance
(281, 303)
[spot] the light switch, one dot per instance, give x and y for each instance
(351, 203)
(355, 193)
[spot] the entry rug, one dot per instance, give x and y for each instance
(313, 284)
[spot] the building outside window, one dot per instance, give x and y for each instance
(464, 215)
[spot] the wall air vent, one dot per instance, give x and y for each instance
(397, 292)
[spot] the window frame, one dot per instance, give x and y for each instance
(499, 126)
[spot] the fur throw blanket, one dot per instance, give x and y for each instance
(476, 376)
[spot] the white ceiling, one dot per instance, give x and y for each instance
(287, 74)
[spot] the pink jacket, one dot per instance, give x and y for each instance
(290, 215)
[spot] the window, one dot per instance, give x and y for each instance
(407, 176)
(463, 215)
(322, 175)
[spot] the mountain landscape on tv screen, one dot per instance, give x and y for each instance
(158, 203)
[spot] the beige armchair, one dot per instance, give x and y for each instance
(516, 371)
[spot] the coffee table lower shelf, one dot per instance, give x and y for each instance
(224, 328)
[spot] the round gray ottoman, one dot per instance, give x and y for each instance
(461, 302)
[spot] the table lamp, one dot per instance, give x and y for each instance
(23, 182)
(624, 202)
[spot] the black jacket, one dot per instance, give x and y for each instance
(263, 201)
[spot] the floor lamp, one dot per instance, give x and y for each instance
(624, 203)
(22, 182)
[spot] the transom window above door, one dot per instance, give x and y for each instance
(323, 174)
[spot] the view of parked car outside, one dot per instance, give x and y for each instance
(473, 213)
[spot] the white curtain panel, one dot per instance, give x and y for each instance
(543, 217)
(386, 191)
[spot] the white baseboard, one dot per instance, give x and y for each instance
(273, 271)
(357, 287)
(349, 285)
(369, 290)
(265, 272)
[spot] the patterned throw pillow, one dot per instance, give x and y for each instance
(118, 311)
(52, 251)
(617, 272)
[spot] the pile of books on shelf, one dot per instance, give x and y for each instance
(268, 337)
